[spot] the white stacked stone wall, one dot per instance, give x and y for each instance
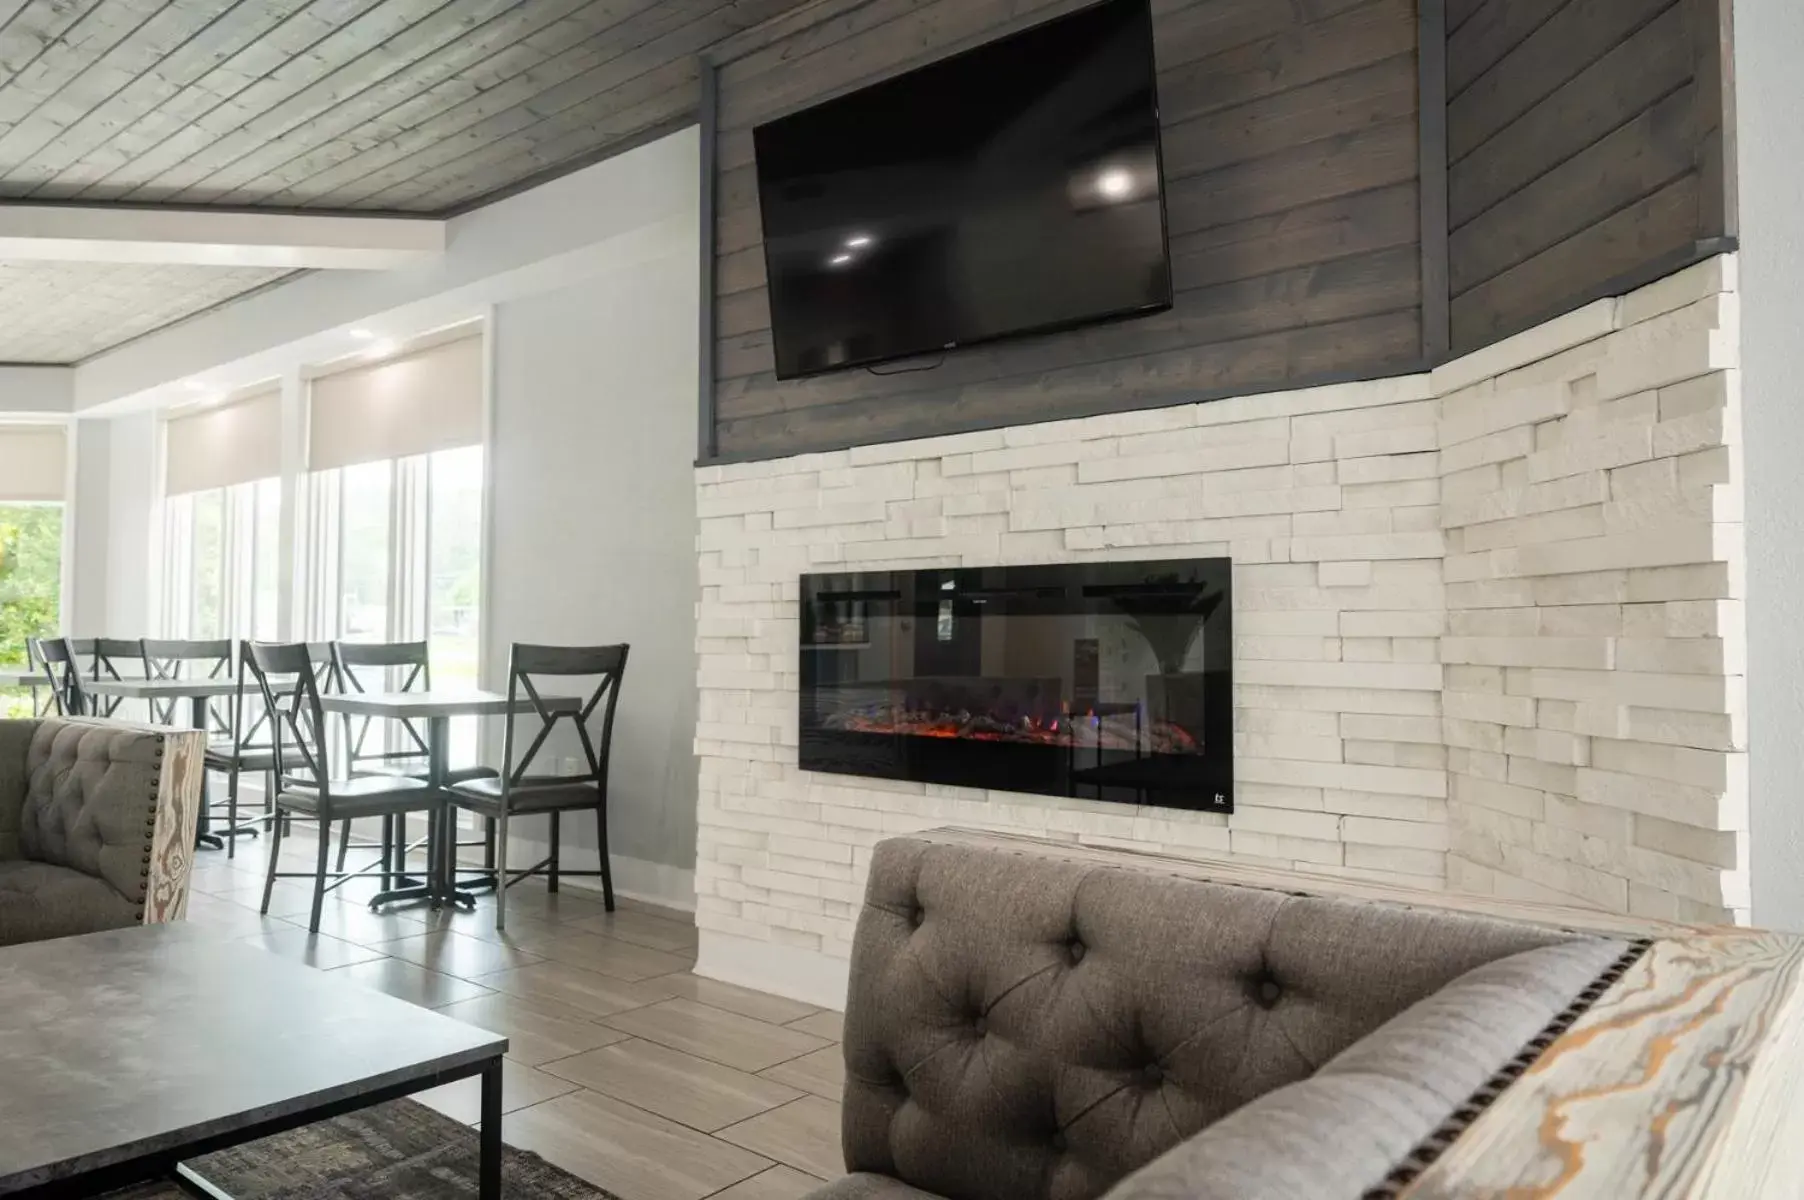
(1357, 517)
(1595, 696)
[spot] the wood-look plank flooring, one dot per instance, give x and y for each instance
(624, 1068)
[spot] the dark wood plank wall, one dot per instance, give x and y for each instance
(1292, 173)
(1588, 147)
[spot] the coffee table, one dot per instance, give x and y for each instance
(126, 1053)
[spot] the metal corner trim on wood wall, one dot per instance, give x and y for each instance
(1431, 108)
(708, 112)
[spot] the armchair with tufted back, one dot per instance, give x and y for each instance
(97, 823)
(1022, 1026)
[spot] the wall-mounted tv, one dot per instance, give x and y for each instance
(1012, 189)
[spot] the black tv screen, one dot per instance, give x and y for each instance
(1015, 188)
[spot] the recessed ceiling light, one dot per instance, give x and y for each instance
(1115, 184)
(839, 260)
(363, 335)
(859, 241)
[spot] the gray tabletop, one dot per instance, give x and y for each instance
(437, 703)
(160, 689)
(121, 1044)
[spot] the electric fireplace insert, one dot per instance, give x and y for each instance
(1104, 681)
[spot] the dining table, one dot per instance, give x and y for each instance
(435, 707)
(200, 694)
(24, 675)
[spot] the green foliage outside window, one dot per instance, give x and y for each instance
(31, 552)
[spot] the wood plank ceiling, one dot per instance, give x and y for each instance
(405, 106)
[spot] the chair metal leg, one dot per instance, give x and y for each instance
(488, 844)
(601, 845)
(231, 839)
(551, 865)
(344, 844)
(275, 858)
(501, 874)
(319, 874)
(388, 852)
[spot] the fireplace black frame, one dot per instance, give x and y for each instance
(833, 613)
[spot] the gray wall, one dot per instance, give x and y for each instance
(1771, 144)
(594, 527)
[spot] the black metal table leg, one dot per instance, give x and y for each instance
(489, 1171)
(203, 838)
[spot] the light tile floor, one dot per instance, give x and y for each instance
(624, 1068)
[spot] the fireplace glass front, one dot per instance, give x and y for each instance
(1104, 681)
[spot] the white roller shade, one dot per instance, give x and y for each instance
(32, 459)
(220, 447)
(428, 400)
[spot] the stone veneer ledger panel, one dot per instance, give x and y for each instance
(1488, 629)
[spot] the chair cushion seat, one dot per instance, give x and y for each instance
(535, 793)
(416, 768)
(366, 795)
(39, 901)
(223, 756)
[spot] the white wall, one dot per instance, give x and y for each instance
(590, 283)
(1770, 142)
(594, 519)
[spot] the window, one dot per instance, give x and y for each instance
(221, 548)
(32, 460)
(391, 536)
(222, 520)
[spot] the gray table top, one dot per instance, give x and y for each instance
(160, 689)
(437, 703)
(136, 1041)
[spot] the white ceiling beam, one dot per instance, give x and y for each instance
(208, 237)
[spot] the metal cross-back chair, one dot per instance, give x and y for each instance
(304, 783)
(179, 658)
(519, 791)
(109, 655)
(63, 670)
(249, 747)
(392, 667)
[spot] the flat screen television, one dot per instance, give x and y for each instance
(1015, 188)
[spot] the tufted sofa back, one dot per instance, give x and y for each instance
(91, 801)
(1020, 1027)
(15, 747)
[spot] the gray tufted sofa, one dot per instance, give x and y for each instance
(97, 824)
(1026, 1027)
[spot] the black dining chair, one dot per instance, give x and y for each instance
(183, 658)
(519, 791)
(248, 747)
(63, 671)
(110, 654)
(364, 667)
(305, 786)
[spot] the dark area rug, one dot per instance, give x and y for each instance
(396, 1151)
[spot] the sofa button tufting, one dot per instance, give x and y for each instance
(1153, 1075)
(1077, 951)
(980, 1026)
(1057, 1143)
(917, 917)
(1269, 992)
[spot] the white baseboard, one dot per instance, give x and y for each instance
(637, 879)
(805, 975)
